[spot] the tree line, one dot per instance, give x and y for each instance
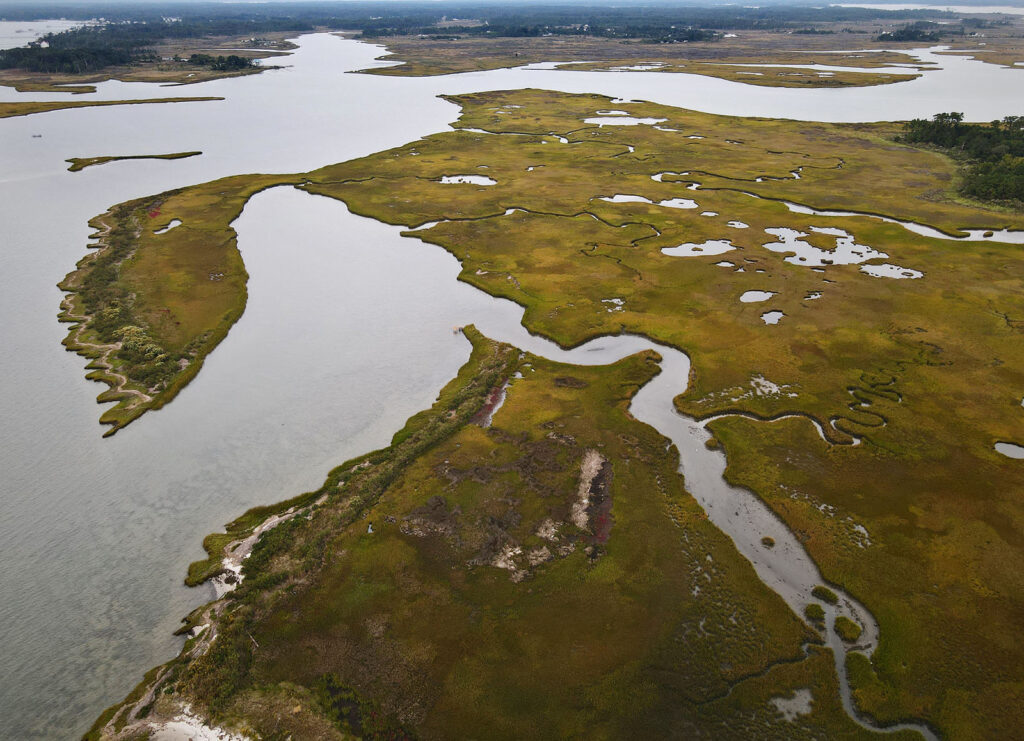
(91, 48)
(230, 63)
(993, 153)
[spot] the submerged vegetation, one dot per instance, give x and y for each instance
(408, 615)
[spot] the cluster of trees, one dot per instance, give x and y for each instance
(921, 31)
(975, 141)
(650, 22)
(65, 61)
(92, 48)
(996, 181)
(993, 152)
(147, 360)
(229, 63)
(930, 32)
(104, 297)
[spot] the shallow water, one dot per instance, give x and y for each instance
(703, 249)
(467, 180)
(1010, 450)
(95, 534)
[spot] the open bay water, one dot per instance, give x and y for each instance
(335, 351)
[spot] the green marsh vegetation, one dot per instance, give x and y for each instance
(137, 43)
(8, 110)
(480, 605)
(815, 613)
(772, 76)
(920, 521)
(847, 629)
(182, 288)
(825, 594)
(429, 55)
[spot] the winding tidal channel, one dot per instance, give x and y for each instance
(347, 333)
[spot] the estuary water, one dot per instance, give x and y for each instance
(336, 349)
(19, 33)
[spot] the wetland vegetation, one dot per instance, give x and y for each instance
(80, 163)
(544, 575)
(838, 417)
(7, 110)
(133, 42)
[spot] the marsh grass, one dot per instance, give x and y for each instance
(920, 521)
(7, 110)
(80, 163)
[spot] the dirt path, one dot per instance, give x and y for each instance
(99, 354)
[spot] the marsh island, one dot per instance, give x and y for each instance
(730, 451)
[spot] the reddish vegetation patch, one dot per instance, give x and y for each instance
(494, 399)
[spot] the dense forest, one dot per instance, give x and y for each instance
(129, 31)
(921, 31)
(229, 63)
(91, 48)
(993, 153)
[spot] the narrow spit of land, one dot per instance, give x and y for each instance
(80, 163)
(8, 110)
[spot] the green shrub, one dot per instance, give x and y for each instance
(825, 594)
(814, 612)
(846, 629)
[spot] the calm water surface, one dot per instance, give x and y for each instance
(14, 34)
(337, 346)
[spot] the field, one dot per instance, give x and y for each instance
(921, 519)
